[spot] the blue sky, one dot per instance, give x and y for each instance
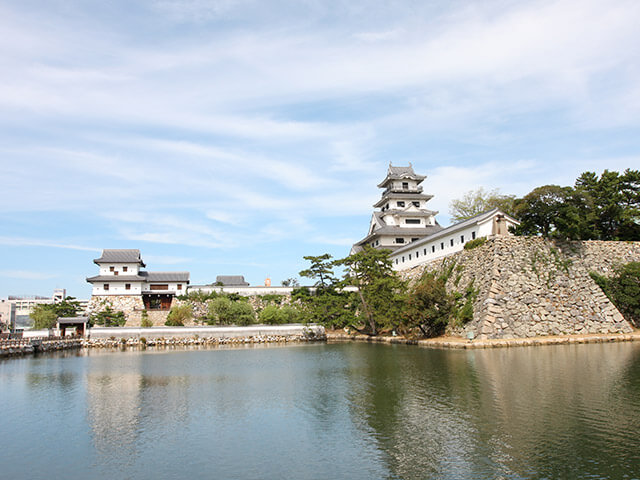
(237, 136)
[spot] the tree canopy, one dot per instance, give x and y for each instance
(478, 201)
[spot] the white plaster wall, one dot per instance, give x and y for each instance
(133, 268)
(417, 251)
(173, 287)
(117, 288)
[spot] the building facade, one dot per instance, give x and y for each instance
(124, 285)
(402, 216)
(404, 224)
(452, 239)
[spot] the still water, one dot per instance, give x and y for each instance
(353, 411)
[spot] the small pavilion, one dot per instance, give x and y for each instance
(79, 323)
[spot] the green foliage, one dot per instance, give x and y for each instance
(379, 300)
(199, 296)
(179, 315)
(290, 282)
(479, 201)
(274, 315)
(225, 311)
(623, 289)
(478, 242)
(109, 318)
(272, 298)
(321, 270)
(600, 208)
(144, 321)
(429, 306)
(46, 315)
(43, 316)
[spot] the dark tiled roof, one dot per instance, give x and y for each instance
(390, 197)
(165, 276)
(401, 232)
(397, 173)
(116, 278)
(232, 280)
(120, 256)
(68, 320)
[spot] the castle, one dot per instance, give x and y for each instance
(410, 230)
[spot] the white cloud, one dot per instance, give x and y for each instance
(34, 242)
(26, 275)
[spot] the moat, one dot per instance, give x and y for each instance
(320, 411)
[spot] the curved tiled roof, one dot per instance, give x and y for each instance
(122, 255)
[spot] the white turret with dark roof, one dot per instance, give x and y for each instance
(403, 216)
(121, 276)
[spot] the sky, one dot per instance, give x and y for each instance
(234, 137)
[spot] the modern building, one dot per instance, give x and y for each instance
(403, 216)
(121, 275)
(18, 308)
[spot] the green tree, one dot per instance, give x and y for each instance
(109, 318)
(46, 315)
(379, 297)
(478, 201)
(321, 270)
(178, 315)
(539, 210)
(623, 289)
(430, 308)
(224, 311)
(291, 282)
(274, 315)
(43, 316)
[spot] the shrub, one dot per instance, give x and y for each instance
(274, 315)
(225, 311)
(109, 318)
(478, 242)
(429, 306)
(145, 322)
(178, 315)
(242, 313)
(623, 289)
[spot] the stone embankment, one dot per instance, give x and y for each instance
(460, 343)
(155, 336)
(530, 287)
(27, 346)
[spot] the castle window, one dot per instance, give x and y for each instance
(396, 261)
(461, 238)
(160, 286)
(400, 204)
(412, 221)
(416, 204)
(441, 245)
(105, 287)
(409, 256)
(433, 249)
(399, 240)
(451, 242)
(417, 254)
(127, 286)
(425, 251)
(414, 239)
(115, 273)
(473, 235)
(124, 269)
(179, 286)
(403, 259)
(111, 269)
(377, 242)
(405, 185)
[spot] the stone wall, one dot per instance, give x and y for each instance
(529, 286)
(131, 305)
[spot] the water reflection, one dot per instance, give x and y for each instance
(547, 412)
(327, 411)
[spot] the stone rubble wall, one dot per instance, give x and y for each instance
(131, 305)
(529, 286)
